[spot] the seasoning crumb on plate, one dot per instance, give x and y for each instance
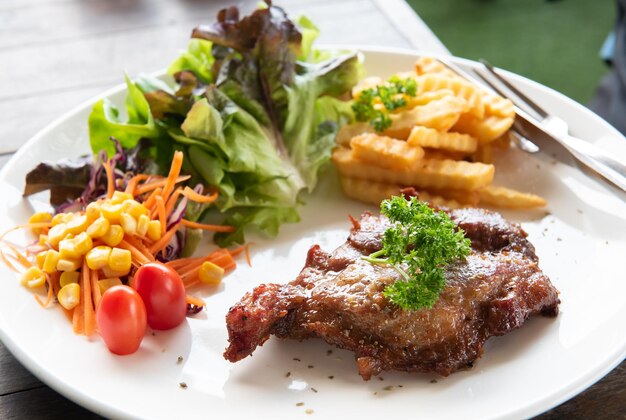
(179, 360)
(300, 404)
(183, 385)
(308, 411)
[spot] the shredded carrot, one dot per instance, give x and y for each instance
(199, 198)
(110, 178)
(160, 211)
(78, 316)
(132, 184)
(20, 258)
(159, 245)
(192, 300)
(213, 228)
(48, 297)
(90, 313)
(141, 247)
(169, 206)
(137, 255)
(151, 200)
(177, 164)
(7, 262)
(95, 288)
(243, 248)
(161, 182)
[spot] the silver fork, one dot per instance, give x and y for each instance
(533, 122)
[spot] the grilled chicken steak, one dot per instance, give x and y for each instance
(339, 297)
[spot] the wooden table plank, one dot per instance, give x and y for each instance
(38, 86)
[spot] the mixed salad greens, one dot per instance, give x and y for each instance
(254, 108)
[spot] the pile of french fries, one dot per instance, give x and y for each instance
(441, 144)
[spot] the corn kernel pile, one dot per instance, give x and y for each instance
(92, 237)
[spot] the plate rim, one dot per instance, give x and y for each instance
(92, 403)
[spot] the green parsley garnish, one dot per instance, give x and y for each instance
(419, 244)
(392, 96)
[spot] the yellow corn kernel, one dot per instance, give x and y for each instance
(56, 233)
(50, 262)
(41, 217)
(93, 210)
(142, 225)
(68, 277)
(154, 230)
(43, 239)
(120, 260)
(106, 284)
(69, 296)
(67, 248)
(98, 227)
(108, 273)
(61, 218)
(33, 278)
(98, 257)
(211, 273)
(83, 243)
(40, 258)
(77, 225)
(114, 235)
(134, 208)
(129, 224)
(112, 212)
(119, 197)
(68, 264)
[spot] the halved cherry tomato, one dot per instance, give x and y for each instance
(121, 319)
(163, 292)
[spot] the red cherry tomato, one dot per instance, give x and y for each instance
(121, 319)
(163, 292)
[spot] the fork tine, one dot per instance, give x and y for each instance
(525, 99)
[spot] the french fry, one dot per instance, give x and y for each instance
(367, 83)
(428, 173)
(485, 130)
(433, 82)
(425, 65)
(385, 151)
(428, 137)
(440, 114)
(346, 132)
(374, 192)
(509, 198)
(483, 154)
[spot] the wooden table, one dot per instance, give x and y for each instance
(55, 54)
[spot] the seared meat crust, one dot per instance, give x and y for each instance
(339, 297)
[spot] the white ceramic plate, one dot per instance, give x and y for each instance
(580, 242)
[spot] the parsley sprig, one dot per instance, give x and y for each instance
(419, 244)
(392, 96)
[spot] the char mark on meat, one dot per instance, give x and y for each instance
(339, 298)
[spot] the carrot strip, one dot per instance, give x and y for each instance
(213, 228)
(95, 289)
(177, 164)
(78, 316)
(25, 225)
(149, 186)
(110, 179)
(169, 206)
(139, 256)
(140, 245)
(160, 210)
(132, 184)
(199, 198)
(159, 245)
(48, 297)
(90, 314)
(7, 262)
(151, 200)
(20, 258)
(192, 300)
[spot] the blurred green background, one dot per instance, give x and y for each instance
(556, 43)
